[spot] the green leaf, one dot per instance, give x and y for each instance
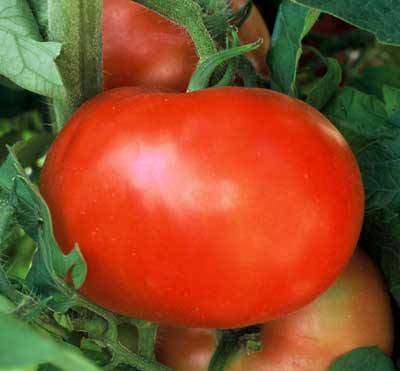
(374, 78)
(16, 17)
(79, 269)
(40, 9)
(9, 170)
(379, 17)
(358, 116)
(381, 237)
(363, 120)
(365, 123)
(7, 217)
(21, 346)
(363, 359)
(50, 266)
(326, 87)
(24, 58)
(292, 24)
(392, 102)
(390, 260)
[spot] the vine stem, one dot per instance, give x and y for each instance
(77, 24)
(144, 361)
(126, 357)
(147, 332)
(228, 344)
(188, 14)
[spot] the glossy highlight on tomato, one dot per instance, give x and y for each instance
(354, 312)
(218, 208)
(142, 48)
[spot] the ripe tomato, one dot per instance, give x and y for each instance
(142, 48)
(354, 312)
(218, 208)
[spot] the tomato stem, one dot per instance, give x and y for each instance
(127, 357)
(147, 331)
(201, 77)
(147, 338)
(147, 335)
(188, 14)
(77, 25)
(228, 344)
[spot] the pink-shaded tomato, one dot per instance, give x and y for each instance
(185, 349)
(354, 312)
(217, 208)
(142, 48)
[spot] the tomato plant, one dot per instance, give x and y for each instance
(197, 199)
(354, 312)
(142, 48)
(202, 191)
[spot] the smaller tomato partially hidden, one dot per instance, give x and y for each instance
(142, 48)
(354, 312)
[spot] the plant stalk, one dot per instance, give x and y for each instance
(77, 24)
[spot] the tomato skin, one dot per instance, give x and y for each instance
(185, 349)
(142, 48)
(354, 312)
(190, 209)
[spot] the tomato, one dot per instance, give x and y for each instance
(217, 208)
(142, 48)
(354, 312)
(185, 349)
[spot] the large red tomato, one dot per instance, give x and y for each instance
(218, 208)
(354, 312)
(142, 48)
